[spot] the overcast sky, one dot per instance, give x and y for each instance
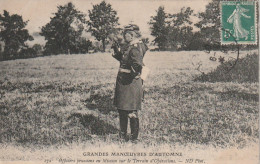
(38, 12)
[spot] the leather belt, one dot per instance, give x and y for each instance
(124, 70)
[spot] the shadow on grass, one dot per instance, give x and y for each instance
(184, 89)
(100, 99)
(94, 124)
(239, 95)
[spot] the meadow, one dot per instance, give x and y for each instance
(67, 99)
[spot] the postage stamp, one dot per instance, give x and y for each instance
(238, 22)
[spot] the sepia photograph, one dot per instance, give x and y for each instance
(129, 81)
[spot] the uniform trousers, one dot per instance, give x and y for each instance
(134, 123)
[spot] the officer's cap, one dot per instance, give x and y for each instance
(131, 27)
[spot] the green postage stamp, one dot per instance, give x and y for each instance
(239, 22)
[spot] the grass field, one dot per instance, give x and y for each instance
(67, 100)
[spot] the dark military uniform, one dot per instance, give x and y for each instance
(129, 91)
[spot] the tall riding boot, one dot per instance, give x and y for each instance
(134, 124)
(123, 119)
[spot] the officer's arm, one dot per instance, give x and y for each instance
(136, 62)
(117, 54)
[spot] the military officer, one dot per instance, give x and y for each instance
(128, 91)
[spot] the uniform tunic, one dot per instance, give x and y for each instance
(129, 91)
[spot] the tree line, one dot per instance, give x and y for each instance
(175, 31)
(64, 34)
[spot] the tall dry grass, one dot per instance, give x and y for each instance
(64, 99)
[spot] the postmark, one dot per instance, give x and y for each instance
(238, 22)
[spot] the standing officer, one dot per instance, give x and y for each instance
(128, 91)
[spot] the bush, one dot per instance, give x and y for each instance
(246, 70)
(1, 55)
(27, 53)
(38, 49)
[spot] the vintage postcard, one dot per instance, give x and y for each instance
(129, 82)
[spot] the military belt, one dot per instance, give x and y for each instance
(124, 70)
(128, 71)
